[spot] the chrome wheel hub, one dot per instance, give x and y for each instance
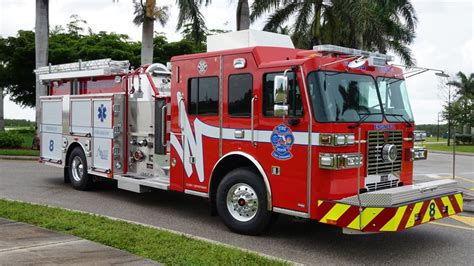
(242, 202)
(77, 168)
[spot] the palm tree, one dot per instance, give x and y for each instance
(243, 15)
(190, 14)
(465, 85)
(363, 24)
(145, 15)
(41, 53)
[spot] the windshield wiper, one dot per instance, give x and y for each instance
(362, 119)
(402, 117)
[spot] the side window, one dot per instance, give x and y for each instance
(240, 94)
(203, 95)
(268, 102)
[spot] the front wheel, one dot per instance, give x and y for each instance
(78, 175)
(242, 202)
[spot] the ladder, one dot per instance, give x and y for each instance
(100, 67)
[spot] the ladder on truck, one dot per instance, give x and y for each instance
(92, 68)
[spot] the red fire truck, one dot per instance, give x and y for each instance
(254, 125)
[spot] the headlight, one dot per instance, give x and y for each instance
(339, 161)
(419, 135)
(418, 153)
(329, 139)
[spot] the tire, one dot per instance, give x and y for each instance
(241, 202)
(77, 170)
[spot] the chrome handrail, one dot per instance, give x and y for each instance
(252, 113)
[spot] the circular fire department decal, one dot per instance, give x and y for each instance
(282, 139)
(202, 67)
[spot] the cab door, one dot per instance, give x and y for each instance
(279, 144)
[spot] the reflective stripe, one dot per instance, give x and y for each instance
(364, 218)
(335, 213)
(392, 225)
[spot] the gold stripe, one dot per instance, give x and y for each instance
(464, 219)
(392, 225)
(364, 218)
(447, 202)
(416, 209)
(320, 202)
(453, 226)
(335, 213)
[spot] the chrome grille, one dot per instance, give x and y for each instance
(382, 185)
(375, 142)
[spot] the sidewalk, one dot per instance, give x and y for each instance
(22, 244)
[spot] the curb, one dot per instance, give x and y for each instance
(450, 153)
(21, 158)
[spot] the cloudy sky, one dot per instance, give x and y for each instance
(445, 37)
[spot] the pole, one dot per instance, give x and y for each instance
(437, 135)
(449, 114)
(454, 155)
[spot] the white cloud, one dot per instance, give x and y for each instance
(444, 40)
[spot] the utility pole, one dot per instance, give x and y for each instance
(437, 135)
(449, 114)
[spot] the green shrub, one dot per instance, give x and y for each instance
(10, 140)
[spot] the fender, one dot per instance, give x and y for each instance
(259, 168)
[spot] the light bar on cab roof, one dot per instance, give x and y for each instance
(329, 48)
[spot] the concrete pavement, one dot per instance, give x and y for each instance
(23, 244)
(448, 241)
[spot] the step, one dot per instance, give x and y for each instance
(142, 185)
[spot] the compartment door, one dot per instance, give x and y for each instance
(51, 130)
(102, 135)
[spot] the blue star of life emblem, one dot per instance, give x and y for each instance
(102, 113)
(282, 139)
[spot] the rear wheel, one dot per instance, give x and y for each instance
(242, 202)
(78, 175)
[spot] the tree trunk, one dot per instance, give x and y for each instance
(316, 38)
(147, 41)
(242, 16)
(41, 53)
(2, 119)
(147, 32)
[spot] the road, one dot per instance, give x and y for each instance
(449, 241)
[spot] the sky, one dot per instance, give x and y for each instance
(444, 37)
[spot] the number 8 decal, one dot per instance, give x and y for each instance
(51, 145)
(432, 209)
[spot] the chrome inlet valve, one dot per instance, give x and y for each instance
(143, 143)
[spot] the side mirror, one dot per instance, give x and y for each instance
(280, 89)
(280, 95)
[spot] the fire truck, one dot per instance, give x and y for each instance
(254, 125)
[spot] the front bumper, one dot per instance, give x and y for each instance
(394, 209)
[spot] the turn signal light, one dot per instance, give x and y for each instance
(330, 139)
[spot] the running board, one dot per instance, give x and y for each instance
(142, 185)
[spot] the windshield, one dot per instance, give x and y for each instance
(344, 97)
(394, 98)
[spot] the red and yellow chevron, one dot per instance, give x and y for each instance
(388, 219)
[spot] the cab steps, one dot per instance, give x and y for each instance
(141, 185)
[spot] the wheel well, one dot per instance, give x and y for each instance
(226, 165)
(69, 150)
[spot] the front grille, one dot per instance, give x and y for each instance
(382, 185)
(375, 142)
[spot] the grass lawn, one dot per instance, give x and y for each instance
(444, 147)
(159, 245)
(19, 152)
(27, 135)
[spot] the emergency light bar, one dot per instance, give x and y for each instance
(375, 59)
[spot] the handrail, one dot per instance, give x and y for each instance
(252, 113)
(163, 125)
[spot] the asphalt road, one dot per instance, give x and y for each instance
(449, 241)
